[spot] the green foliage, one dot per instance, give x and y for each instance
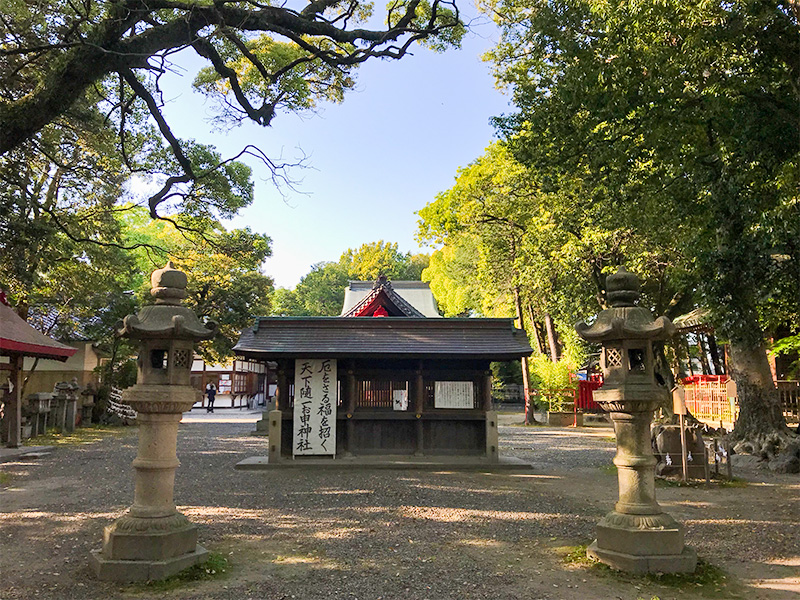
(303, 85)
(82, 435)
(506, 373)
(551, 380)
(371, 260)
(321, 291)
(676, 117)
(789, 345)
(225, 281)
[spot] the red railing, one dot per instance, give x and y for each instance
(585, 401)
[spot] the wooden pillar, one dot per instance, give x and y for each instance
(419, 407)
(203, 386)
(233, 386)
(282, 401)
(14, 407)
(350, 406)
(486, 390)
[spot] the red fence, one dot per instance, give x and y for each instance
(585, 401)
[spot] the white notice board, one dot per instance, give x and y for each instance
(400, 399)
(453, 394)
(314, 407)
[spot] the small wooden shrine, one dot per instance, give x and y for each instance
(383, 385)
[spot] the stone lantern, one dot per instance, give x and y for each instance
(637, 536)
(153, 540)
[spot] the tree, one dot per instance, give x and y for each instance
(321, 291)
(679, 111)
(373, 259)
(224, 268)
(60, 61)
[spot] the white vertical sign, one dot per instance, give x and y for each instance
(314, 407)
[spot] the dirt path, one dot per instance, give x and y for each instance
(386, 534)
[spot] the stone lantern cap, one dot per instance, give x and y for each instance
(166, 319)
(625, 320)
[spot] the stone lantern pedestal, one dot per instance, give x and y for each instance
(637, 536)
(153, 540)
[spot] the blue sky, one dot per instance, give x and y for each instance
(372, 161)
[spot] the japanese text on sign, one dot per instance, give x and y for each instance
(453, 394)
(314, 407)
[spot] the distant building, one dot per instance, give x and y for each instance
(242, 383)
(83, 366)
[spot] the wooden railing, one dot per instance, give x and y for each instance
(789, 394)
(708, 401)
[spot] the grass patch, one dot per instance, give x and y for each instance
(610, 438)
(666, 482)
(735, 482)
(81, 435)
(609, 469)
(708, 579)
(215, 567)
(5, 478)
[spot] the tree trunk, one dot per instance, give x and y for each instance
(714, 351)
(761, 427)
(552, 338)
(701, 349)
(536, 337)
(525, 372)
(688, 355)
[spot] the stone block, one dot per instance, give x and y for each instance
(641, 542)
(152, 546)
(492, 438)
(564, 419)
(682, 562)
(275, 425)
(143, 570)
(262, 425)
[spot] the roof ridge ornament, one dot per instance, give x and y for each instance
(382, 281)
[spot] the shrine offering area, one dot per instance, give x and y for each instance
(390, 534)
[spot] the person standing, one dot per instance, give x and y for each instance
(211, 392)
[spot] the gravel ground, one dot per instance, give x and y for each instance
(373, 534)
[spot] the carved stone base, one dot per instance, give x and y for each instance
(142, 549)
(642, 544)
(148, 545)
(684, 562)
(144, 570)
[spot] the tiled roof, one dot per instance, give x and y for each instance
(415, 295)
(388, 337)
(384, 295)
(17, 337)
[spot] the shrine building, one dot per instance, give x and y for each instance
(389, 376)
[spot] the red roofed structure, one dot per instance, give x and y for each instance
(18, 340)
